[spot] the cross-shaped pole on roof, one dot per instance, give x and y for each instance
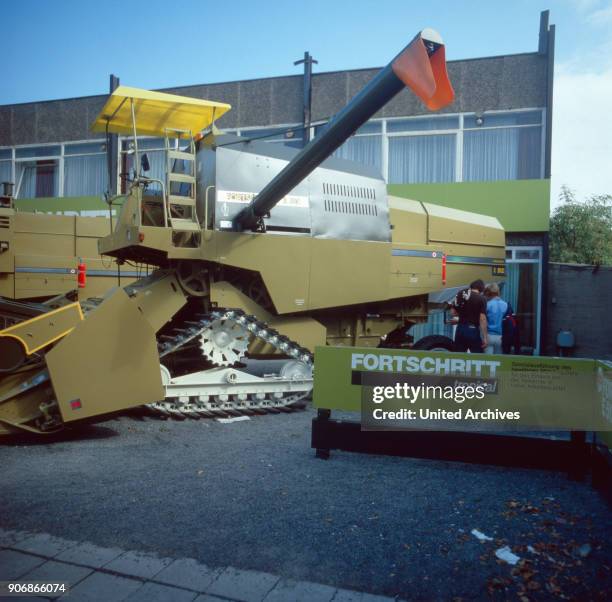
(308, 62)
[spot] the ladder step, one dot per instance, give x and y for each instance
(181, 177)
(181, 200)
(186, 225)
(182, 155)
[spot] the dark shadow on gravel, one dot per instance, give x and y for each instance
(77, 433)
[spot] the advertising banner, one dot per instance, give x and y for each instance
(399, 389)
(603, 384)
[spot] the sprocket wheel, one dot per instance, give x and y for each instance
(192, 278)
(224, 342)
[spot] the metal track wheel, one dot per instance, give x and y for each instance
(224, 342)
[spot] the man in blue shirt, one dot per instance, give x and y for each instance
(497, 309)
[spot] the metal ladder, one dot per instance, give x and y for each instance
(181, 209)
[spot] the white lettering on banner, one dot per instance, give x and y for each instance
(425, 365)
(233, 196)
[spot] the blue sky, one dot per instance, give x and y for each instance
(67, 48)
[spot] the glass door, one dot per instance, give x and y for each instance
(523, 290)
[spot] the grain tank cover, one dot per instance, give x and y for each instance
(338, 200)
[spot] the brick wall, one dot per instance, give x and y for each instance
(580, 300)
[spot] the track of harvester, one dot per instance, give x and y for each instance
(231, 385)
(226, 390)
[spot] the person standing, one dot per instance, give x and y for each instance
(471, 308)
(497, 311)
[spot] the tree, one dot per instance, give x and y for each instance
(581, 232)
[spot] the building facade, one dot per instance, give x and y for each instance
(489, 151)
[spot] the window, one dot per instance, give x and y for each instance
(422, 159)
(155, 151)
(422, 124)
(85, 170)
(29, 152)
(36, 171)
(283, 135)
(503, 119)
(36, 179)
(364, 147)
(6, 165)
(502, 154)
(503, 145)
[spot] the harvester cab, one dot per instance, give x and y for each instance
(168, 201)
(263, 252)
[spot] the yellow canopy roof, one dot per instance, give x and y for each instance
(156, 111)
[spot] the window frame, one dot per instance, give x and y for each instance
(384, 135)
(539, 262)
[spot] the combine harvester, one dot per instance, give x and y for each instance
(262, 253)
(45, 256)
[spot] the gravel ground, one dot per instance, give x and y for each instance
(252, 495)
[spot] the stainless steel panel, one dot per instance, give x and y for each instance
(339, 200)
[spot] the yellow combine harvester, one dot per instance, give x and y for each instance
(261, 252)
(40, 256)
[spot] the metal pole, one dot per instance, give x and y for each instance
(136, 158)
(375, 95)
(308, 62)
(112, 148)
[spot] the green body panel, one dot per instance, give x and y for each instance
(75, 204)
(519, 205)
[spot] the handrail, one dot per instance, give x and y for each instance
(206, 229)
(146, 179)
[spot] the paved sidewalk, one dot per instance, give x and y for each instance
(112, 574)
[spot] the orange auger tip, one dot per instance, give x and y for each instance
(422, 68)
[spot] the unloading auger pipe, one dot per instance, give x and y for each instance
(421, 66)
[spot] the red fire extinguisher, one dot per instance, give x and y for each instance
(81, 274)
(444, 268)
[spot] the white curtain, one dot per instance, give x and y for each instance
(510, 289)
(422, 159)
(5, 171)
(38, 179)
(434, 325)
(366, 150)
(502, 154)
(26, 174)
(157, 164)
(85, 175)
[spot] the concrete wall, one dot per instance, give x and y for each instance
(580, 300)
(494, 83)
